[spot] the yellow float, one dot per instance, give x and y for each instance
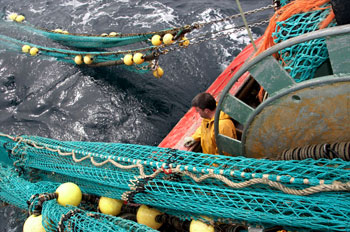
(158, 73)
(69, 194)
(34, 51)
(138, 58)
(33, 224)
(78, 59)
(147, 216)
(168, 39)
(128, 60)
(110, 206)
(25, 48)
(199, 226)
(20, 18)
(156, 40)
(88, 59)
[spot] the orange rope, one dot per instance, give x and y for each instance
(292, 8)
(327, 20)
(287, 11)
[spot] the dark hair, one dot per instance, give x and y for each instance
(204, 101)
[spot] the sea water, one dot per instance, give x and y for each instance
(62, 101)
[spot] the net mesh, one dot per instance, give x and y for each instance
(309, 194)
(89, 41)
(302, 60)
(18, 191)
(68, 56)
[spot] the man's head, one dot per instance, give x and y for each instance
(205, 105)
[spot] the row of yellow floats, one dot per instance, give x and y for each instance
(128, 59)
(70, 194)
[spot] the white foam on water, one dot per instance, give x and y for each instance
(79, 129)
(73, 3)
(37, 10)
(94, 10)
(160, 13)
(234, 39)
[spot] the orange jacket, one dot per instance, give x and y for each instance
(206, 134)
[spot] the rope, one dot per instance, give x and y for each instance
(41, 198)
(246, 24)
(183, 29)
(335, 186)
(233, 16)
(163, 48)
(66, 217)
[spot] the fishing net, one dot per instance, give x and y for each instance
(284, 2)
(302, 60)
(17, 36)
(17, 191)
(95, 47)
(311, 194)
(92, 41)
(65, 55)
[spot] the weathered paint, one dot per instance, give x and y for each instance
(339, 53)
(229, 145)
(311, 115)
(236, 108)
(271, 75)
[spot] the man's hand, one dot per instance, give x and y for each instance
(189, 141)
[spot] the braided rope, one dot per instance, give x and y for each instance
(335, 186)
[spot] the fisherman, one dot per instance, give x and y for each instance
(205, 106)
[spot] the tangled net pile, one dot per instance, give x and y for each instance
(307, 194)
(293, 19)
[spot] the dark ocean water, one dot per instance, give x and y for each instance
(62, 101)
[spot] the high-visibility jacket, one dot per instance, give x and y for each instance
(206, 134)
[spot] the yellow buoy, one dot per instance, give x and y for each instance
(199, 226)
(88, 59)
(25, 48)
(128, 59)
(69, 194)
(113, 33)
(185, 42)
(156, 40)
(33, 51)
(158, 73)
(138, 58)
(13, 16)
(110, 206)
(20, 18)
(65, 32)
(33, 223)
(104, 34)
(147, 216)
(58, 30)
(168, 39)
(78, 59)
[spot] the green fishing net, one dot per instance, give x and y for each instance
(302, 60)
(187, 184)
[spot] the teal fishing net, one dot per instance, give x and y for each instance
(90, 41)
(306, 194)
(284, 2)
(68, 56)
(302, 60)
(64, 47)
(17, 191)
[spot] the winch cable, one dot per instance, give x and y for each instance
(339, 150)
